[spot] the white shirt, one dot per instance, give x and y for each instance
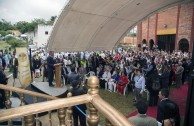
(140, 83)
(106, 76)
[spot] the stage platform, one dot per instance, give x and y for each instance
(52, 91)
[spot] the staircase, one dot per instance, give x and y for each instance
(30, 113)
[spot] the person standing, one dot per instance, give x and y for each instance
(139, 86)
(50, 68)
(73, 76)
(167, 109)
(179, 72)
(3, 80)
(79, 110)
(14, 64)
(141, 119)
(2, 61)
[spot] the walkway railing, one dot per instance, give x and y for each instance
(96, 103)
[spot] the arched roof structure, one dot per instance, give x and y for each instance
(89, 25)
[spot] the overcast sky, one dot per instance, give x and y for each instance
(26, 10)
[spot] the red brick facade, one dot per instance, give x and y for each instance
(178, 20)
(152, 23)
(185, 22)
(144, 29)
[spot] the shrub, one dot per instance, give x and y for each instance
(15, 42)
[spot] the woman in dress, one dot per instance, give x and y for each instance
(122, 82)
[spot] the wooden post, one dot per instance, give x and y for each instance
(58, 75)
(29, 120)
(37, 118)
(69, 112)
(93, 118)
(8, 105)
(61, 115)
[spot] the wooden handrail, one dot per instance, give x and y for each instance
(19, 90)
(43, 107)
(113, 115)
(96, 103)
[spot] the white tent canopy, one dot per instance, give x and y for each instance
(89, 25)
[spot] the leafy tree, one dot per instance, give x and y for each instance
(22, 26)
(15, 42)
(52, 20)
(4, 25)
(4, 33)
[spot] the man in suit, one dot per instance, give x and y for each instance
(50, 68)
(14, 65)
(77, 110)
(163, 112)
(3, 80)
(141, 119)
(73, 76)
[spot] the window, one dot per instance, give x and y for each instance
(46, 32)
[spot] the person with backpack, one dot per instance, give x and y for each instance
(164, 77)
(153, 86)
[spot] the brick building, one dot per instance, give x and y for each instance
(172, 28)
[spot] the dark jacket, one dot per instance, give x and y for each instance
(165, 113)
(77, 92)
(3, 78)
(15, 64)
(165, 79)
(73, 76)
(50, 63)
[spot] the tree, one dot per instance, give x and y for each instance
(22, 26)
(4, 25)
(52, 20)
(15, 42)
(4, 33)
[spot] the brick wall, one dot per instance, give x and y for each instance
(152, 26)
(139, 33)
(168, 17)
(144, 29)
(185, 22)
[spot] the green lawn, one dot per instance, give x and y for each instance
(4, 45)
(123, 104)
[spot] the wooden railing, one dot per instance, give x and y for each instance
(96, 103)
(22, 91)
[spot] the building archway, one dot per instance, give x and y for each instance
(144, 44)
(151, 44)
(184, 45)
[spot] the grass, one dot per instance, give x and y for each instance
(4, 45)
(121, 103)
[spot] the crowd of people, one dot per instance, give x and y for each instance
(118, 71)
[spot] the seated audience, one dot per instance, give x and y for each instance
(105, 78)
(112, 82)
(122, 82)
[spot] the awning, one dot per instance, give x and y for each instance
(89, 25)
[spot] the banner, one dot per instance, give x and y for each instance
(23, 67)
